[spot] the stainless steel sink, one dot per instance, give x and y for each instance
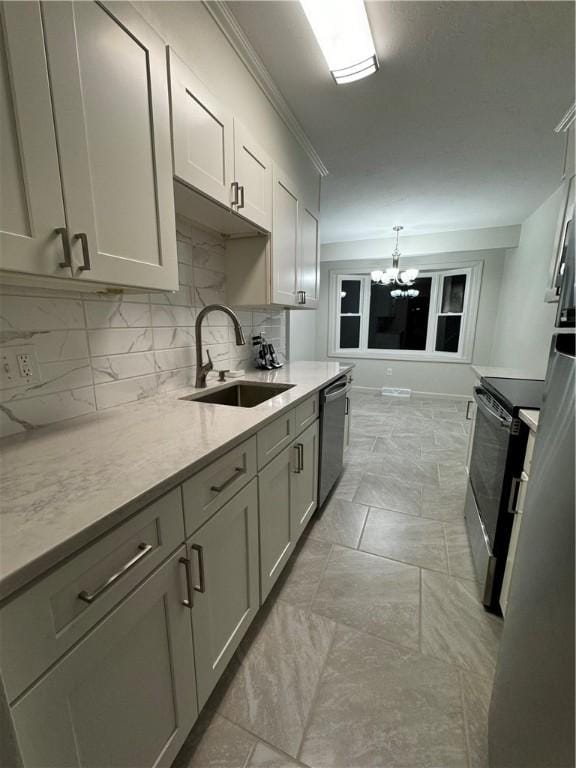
(245, 394)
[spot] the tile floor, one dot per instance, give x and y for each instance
(373, 650)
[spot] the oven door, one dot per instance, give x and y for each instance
(489, 457)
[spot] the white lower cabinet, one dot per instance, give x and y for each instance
(126, 694)
(305, 483)
(276, 526)
(126, 641)
(288, 496)
(224, 557)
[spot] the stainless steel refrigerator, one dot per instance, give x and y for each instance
(531, 721)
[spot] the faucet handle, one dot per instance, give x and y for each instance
(222, 374)
(209, 366)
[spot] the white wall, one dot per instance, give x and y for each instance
(194, 35)
(301, 334)
(525, 322)
(442, 378)
(491, 238)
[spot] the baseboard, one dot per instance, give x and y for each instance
(440, 395)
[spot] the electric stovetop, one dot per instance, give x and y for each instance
(514, 394)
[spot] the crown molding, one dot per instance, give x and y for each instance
(567, 120)
(234, 33)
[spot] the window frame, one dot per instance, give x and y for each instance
(473, 272)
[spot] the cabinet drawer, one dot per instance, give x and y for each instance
(39, 625)
(275, 437)
(214, 485)
(306, 413)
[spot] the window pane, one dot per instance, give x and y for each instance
(448, 333)
(349, 332)
(399, 323)
(453, 293)
(350, 303)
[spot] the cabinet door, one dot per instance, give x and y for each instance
(285, 239)
(253, 174)
(110, 94)
(305, 483)
(309, 268)
(224, 555)
(202, 134)
(276, 526)
(125, 695)
(31, 205)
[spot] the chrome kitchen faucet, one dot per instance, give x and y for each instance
(202, 369)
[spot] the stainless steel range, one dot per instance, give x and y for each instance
(498, 449)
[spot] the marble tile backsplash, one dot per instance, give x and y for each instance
(96, 352)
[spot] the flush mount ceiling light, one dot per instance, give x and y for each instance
(343, 33)
(402, 280)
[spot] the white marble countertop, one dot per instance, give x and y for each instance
(505, 373)
(63, 485)
(530, 417)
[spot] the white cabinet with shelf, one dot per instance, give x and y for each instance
(109, 98)
(217, 156)
(224, 554)
(125, 695)
(282, 270)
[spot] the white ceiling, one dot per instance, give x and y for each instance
(456, 129)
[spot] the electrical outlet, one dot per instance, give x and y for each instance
(388, 371)
(18, 367)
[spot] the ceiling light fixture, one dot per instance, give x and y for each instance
(403, 280)
(343, 33)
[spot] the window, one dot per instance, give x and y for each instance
(438, 324)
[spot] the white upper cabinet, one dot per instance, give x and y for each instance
(285, 240)
(31, 206)
(253, 179)
(215, 154)
(309, 267)
(203, 134)
(111, 107)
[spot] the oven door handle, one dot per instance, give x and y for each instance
(482, 405)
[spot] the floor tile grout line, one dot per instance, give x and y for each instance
(359, 542)
(261, 740)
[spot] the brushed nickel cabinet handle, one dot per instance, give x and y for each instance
(301, 297)
(200, 552)
(89, 597)
(468, 417)
(67, 263)
(219, 488)
(83, 237)
(241, 203)
(235, 189)
(301, 455)
(187, 563)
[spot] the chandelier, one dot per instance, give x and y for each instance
(393, 276)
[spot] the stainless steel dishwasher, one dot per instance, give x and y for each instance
(334, 405)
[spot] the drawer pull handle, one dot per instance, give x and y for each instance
(89, 597)
(200, 552)
(299, 447)
(187, 563)
(237, 472)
